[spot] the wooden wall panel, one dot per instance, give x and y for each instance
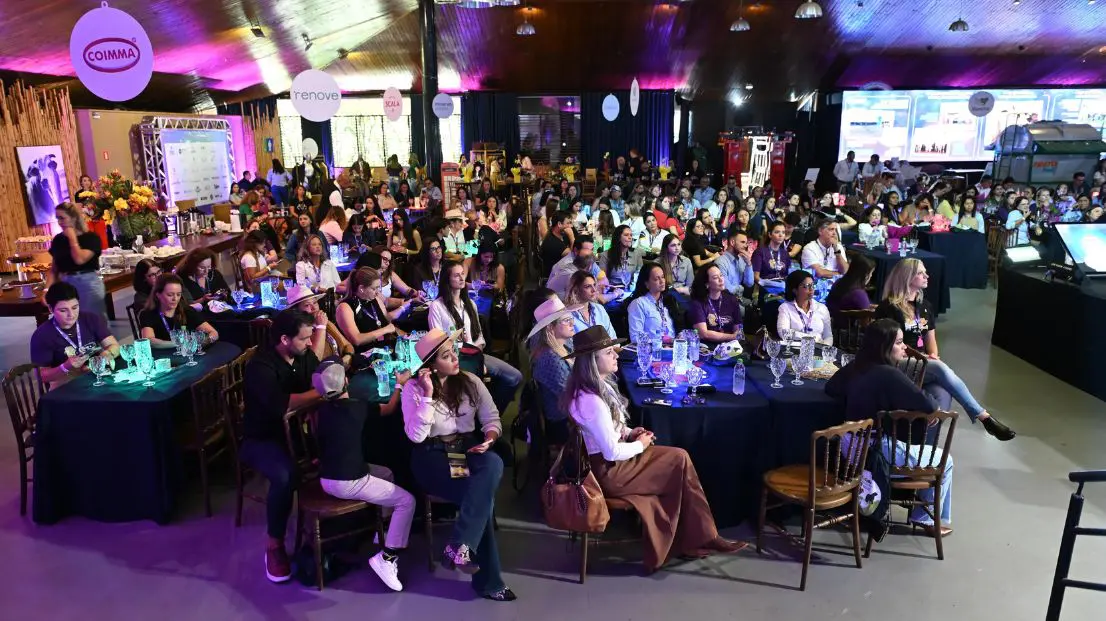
(259, 127)
(30, 117)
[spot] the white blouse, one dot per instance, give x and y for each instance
(816, 322)
(441, 319)
(324, 277)
(424, 417)
(601, 433)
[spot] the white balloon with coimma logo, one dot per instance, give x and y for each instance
(315, 95)
(111, 54)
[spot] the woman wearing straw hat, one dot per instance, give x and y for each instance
(451, 459)
(301, 298)
(553, 329)
(659, 481)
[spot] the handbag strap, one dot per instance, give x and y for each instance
(582, 468)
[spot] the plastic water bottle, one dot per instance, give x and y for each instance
(739, 378)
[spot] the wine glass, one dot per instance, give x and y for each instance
(668, 374)
(778, 366)
(644, 358)
(189, 344)
(175, 337)
(785, 336)
(829, 354)
(846, 359)
(773, 347)
(146, 368)
(797, 370)
(204, 340)
(99, 366)
(238, 296)
(695, 376)
(126, 352)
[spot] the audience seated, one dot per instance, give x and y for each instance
(714, 312)
(202, 281)
(362, 315)
(314, 269)
(337, 346)
(620, 263)
(164, 312)
(583, 296)
(678, 272)
(651, 312)
(801, 314)
(582, 257)
(57, 345)
(848, 293)
(146, 272)
(825, 256)
(552, 333)
(736, 263)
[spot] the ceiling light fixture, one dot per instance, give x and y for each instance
(742, 24)
(808, 10)
(749, 86)
(307, 42)
(257, 32)
(526, 29)
(959, 26)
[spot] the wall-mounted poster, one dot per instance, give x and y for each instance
(44, 186)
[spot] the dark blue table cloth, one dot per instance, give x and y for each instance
(965, 255)
(109, 453)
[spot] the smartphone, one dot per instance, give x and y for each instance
(840, 200)
(660, 402)
(753, 246)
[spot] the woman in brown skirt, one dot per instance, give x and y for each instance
(659, 481)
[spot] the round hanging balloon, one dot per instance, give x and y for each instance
(111, 54)
(610, 107)
(442, 105)
(635, 97)
(315, 95)
(393, 104)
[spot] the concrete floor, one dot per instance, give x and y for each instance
(1010, 502)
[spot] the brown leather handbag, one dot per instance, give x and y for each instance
(573, 501)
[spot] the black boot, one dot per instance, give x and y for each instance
(998, 430)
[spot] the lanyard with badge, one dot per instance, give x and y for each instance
(76, 347)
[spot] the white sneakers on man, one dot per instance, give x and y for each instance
(387, 570)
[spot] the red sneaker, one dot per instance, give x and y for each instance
(277, 566)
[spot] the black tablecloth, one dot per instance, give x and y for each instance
(109, 452)
(965, 255)
(797, 411)
(938, 291)
(1055, 326)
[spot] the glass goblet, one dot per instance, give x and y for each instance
(797, 370)
(203, 340)
(146, 368)
(778, 366)
(126, 352)
(829, 354)
(668, 374)
(772, 346)
(189, 345)
(99, 366)
(695, 377)
(644, 359)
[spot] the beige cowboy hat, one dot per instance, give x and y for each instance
(431, 342)
(299, 293)
(454, 214)
(550, 311)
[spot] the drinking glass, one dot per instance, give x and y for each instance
(126, 352)
(99, 366)
(644, 358)
(785, 336)
(778, 366)
(238, 296)
(146, 368)
(797, 370)
(829, 354)
(175, 337)
(668, 374)
(773, 347)
(846, 359)
(203, 341)
(695, 376)
(189, 344)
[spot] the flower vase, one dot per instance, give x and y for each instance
(516, 172)
(100, 228)
(664, 171)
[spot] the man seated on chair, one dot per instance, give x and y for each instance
(56, 346)
(343, 472)
(278, 380)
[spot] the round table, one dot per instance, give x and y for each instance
(938, 291)
(965, 255)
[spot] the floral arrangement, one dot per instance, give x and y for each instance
(570, 168)
(941, 224)
(131, 207)
(664, 169)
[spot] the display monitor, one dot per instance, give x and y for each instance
(1086, 246)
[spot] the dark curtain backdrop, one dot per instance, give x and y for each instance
(490, 117)
(650, 131)
(418, 133)
(266, 106)
(321, 133)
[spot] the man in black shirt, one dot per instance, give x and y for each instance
(246, 182)
(554, 246)
(278, 380)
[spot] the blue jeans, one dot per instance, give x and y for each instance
(505, 381)
(941, 375)
(271, 459)
(475, 497)
(280, 194)
(921, 454)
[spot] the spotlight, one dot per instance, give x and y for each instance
(307, 42)
(258, 32)
(749, 86)
(959, 26)
(526, 29)
(741, 25)
(808, 10)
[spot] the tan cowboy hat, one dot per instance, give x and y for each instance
(454, 214)
(299, 293)
(593, 339)
(550, 311)
(431, 342)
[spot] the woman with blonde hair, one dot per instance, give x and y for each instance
(76, 258)
(659, 481)
(550, 339)
(903, 302)
(314, 269)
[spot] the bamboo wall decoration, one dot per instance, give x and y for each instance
(30, 117)
(259, 126)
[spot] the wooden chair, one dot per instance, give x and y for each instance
(132, 318)
(849, 327)
(920, 473)
(591, 181)
(234, 403)
(914, 366)
(208, 435)
(314, 506)
(329, 303)
(259, 332)
(239, 276)
(23, 388)
(831, 480)
(998, 240)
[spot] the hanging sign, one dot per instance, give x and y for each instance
(981, 103)
(635, 97)
(442, 105)
(309, 148)
(111, 54)
(610, 107)
(393, 104)
(315, 95)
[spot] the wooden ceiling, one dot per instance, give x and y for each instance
(205, 52)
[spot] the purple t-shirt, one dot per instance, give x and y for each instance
(763, 259)
(722, 315)
(48, 345)
(857, 299)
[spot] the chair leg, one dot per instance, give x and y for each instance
(583, 557)
(22, 485)
(868, 546)
(380, 535)
(856, 527)
(428, 529)
(299, 531)
(937, 520)
(763, 515)
(808, 538)
(318, 554)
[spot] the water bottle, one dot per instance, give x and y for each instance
(739, 378)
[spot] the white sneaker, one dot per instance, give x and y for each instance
(387, 570)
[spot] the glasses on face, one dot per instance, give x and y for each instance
(152, 274)
(809, 286)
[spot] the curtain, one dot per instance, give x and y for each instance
(321, 133)
(418, 131)
(490, 117)
(266, 107)
(650, 131)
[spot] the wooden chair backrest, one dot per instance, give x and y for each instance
(850, 327)
(914, 366)
(836, 464)
(259, 331)
(303, 443)
(132, 318)
(209, 404)
(912, 429)
(999, 238)
(23, 388)
(235, 395)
